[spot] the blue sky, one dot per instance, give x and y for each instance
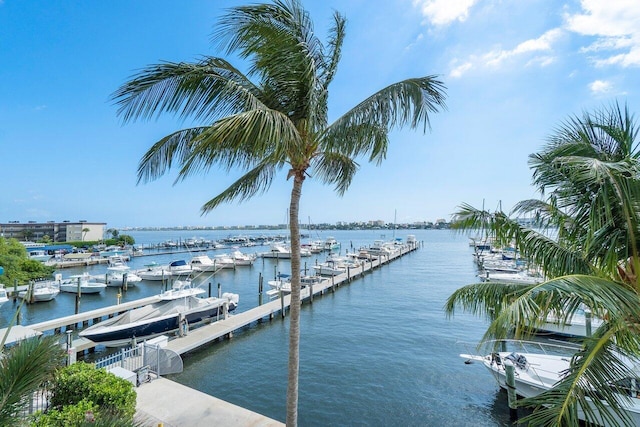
(514, 70)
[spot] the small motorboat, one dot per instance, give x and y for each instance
(117, 274)
(41, 292)
(242, 259)
(83, 283)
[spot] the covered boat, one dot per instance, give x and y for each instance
(175, 307)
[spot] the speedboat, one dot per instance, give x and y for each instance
(242, 259)
(224, 261)
(577, 325)
(540, 370)
(180, 289)
(117, 274)
(279, 250)
(175, 307)
(334, 266)
(282, 282)
(203, 263)
(522, 278)
(331, 244)
(179, 269)
(41, 292)
(82, 282)
(153, 272)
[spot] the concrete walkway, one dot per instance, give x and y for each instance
(162, 402)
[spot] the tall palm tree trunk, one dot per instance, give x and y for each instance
(294, 315)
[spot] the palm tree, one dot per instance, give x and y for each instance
(585, 238)
(273, 117)
(23, 370)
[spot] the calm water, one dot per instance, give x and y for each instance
(378, 352)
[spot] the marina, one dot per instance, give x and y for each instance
(377, 349)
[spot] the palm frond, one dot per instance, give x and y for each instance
(175, 147)
(23, 369)
(285, 53)
(408, 102)
(242, 141)
(335, 168)
(255, 181)
(208, 89)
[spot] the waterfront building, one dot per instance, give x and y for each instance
(65, 231)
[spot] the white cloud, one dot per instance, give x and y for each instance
(600, 87)
(443, 12)
(614, 23)
(459, 70)
(543, 43)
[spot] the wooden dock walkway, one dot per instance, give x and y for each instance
(223, 328)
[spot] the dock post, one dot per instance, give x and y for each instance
(124, 282)
(333, 283)
(311, 292)
(219, 290)
(282, 303)
(348, 274)
(511, 389)
(77, 303)
(31, 298)
(15, 290)
(260, 288)
(209, 289)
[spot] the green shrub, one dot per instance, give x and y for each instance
(70, 415)
(82, 381)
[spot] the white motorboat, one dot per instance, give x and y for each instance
(180, 289)
(279, 250)
(179, 269)
(82, 282)
(380, 248)
(204, 263)
(578, 325)
(315, 246)
(331, 244)
(242, 259)
(4, 296)
(282, 282)
(177, 308)
(41, 292)
(153, 272)
(117, 274)
(522, 277)
(334, 266)
(224, 261)
(539, 367)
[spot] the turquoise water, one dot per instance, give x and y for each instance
(378, 352)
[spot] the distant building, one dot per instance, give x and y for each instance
(65, 231)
